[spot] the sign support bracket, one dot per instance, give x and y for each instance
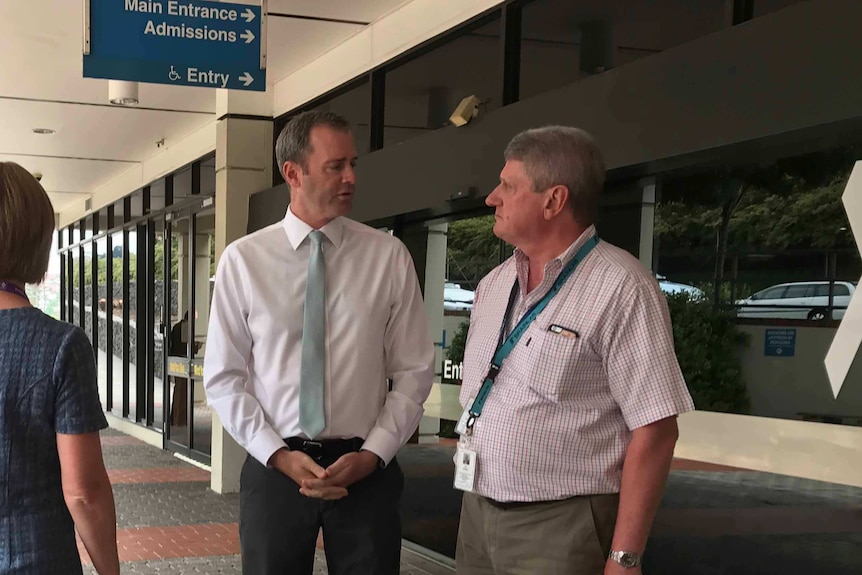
(86, 30)
(264, 20)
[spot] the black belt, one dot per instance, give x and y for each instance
(319, 449)
(506, 505)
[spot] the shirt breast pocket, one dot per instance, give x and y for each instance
(559, 354)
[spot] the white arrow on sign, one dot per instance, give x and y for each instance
(247, 36)
(246, 79)
(248, 15)
(845, 345)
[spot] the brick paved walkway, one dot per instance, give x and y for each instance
(714, 520)
(169, 521)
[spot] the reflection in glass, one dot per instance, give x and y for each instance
(178, 334)
(765, 252)
(422, 93)
(75, 282)
(564, 41)
(158, 327)
(46, 296)
(204, 240)
(458, 255)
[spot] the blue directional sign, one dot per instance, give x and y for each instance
(780, 343)
(177, 42)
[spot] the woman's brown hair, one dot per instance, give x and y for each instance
(26, 226)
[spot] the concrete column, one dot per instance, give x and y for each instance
(435, 276)
(243, 167)
(646, 253)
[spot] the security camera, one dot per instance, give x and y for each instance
(38, 176)
(466, 111)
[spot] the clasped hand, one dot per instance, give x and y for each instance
(330, 483)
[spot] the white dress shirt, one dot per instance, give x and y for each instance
(376, 328)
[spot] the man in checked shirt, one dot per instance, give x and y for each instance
(574, 441)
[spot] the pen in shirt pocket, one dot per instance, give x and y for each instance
(563, 331)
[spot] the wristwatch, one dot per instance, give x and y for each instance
(627, 559)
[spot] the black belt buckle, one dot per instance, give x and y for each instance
(313, 449)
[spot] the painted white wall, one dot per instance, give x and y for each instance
(811, 450)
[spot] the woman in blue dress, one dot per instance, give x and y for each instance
(52, 476)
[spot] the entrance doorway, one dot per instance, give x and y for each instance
(190, 240)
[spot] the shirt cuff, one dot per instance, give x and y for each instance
(383, 444)
(264, 444)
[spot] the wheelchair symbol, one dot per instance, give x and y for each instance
(173, 75)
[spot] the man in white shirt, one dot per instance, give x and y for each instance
(310, 317)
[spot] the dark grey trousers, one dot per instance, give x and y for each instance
(278, 526)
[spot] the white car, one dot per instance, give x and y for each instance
(671, 288)
(457, 299)
(798, 300)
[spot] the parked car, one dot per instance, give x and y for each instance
(798, 300)
(670, 287)
(456, 298)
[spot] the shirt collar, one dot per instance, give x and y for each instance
(297, 230)
(567, 255)
(556, 265)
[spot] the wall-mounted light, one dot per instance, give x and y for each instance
(121, 93)
(44, 131)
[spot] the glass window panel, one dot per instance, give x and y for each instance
(157, 195)
(355, 106)
(763, 7)
(423, 93)
(784, 237)
(178, 334)
(564, 41)
(183, 184)
(76, 282)
(159, 327)
(104, 314)
(795, 291)
(204, 227)
(208, 177)
(457, 255)
(46, 296)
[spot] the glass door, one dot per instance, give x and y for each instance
(190, 241)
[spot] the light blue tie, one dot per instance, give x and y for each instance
(312, 417)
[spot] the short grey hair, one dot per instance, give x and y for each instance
(563, 156)
(293, 143)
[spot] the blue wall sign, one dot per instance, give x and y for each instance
(780, 343)
(177, 42)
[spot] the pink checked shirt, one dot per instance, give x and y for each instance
(560, 417)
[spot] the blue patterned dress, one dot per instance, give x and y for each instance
(47, 386)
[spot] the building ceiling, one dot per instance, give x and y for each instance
(41, 86)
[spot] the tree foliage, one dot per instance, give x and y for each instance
(455, 349)
(707, 344)
(472, 248)
(784, 205)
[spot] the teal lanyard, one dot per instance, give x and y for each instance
(504, 348)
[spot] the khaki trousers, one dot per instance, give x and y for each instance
(571, 537)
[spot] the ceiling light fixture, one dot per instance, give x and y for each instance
(44, 131)
(123, 93)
